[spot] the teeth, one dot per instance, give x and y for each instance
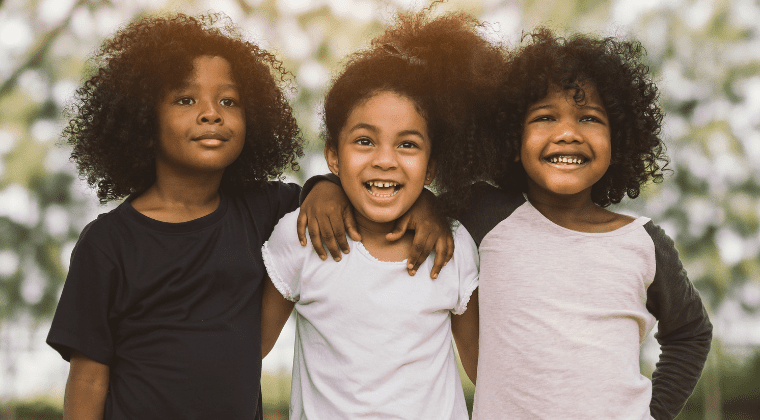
(378, 184)
(567, 159)
(382, 184)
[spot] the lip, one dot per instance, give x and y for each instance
(395, 185)
(211, 136)
(566, 154)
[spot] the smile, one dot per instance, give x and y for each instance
(567, 160)
(382, 188)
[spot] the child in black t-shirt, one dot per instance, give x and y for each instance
(160, 313)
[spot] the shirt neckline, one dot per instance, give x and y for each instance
(633, 225)
(176, 228)
(364, 251)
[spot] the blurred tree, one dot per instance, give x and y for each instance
(705, 56)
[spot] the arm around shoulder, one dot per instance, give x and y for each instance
(86, 388)
(684, 329)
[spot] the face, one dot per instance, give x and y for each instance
(202, 123)
(383, 157)
(565, 146)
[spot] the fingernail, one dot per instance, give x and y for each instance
(435, 276)
(413, 272)
(303, 243)
(322, 257)
(337, 259)
(409, 266)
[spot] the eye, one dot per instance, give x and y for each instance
(591, 118)
(185, 101)
(542, 118)
(408, 145)
(228, 102)
(363, 141)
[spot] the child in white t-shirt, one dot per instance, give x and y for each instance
(371, 341)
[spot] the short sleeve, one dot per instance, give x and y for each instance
(467, 263)
(284, 257)
(81, 320)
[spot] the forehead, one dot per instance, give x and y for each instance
(390, 109)
(206, 70)
(580, 93)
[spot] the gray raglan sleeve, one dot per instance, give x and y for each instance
(684, 330)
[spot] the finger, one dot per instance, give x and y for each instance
(328, 238)
(450, 249)
(339, 232)
(399, 229)
(441, 252)
(316, 240)
(418, 248)
(427, 248)
(301, 227)
(350, 223)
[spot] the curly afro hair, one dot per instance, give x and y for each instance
(113, 124)
(625, 87)
(450, 71)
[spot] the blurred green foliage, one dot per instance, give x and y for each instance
(705, 56)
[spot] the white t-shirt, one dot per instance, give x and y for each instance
(372, 341)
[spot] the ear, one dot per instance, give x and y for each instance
(331, 156)
(430, 173)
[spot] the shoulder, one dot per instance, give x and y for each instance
(274, 191)
(488, 206)
(285, 232)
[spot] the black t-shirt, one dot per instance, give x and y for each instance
(173, 308)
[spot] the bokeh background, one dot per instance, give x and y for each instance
(704, 54)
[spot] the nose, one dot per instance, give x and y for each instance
(209, 113)
(568, 131)
(385, 158)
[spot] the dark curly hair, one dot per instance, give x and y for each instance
(113, 124)
(449, 70)
(625, 87)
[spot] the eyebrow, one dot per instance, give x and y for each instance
(594, 108)
(374, 129)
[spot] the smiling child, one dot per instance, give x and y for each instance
(569, 289)
(372, 342)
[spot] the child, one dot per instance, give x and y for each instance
(159, 315)
(372, 342)
(160, 312)
(570, 290)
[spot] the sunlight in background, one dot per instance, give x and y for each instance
(712, 133)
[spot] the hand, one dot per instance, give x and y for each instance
(430, 231)
(329, 215)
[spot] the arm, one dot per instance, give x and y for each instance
(684, 330)
(329, 206)
(328, 215)
(275, 311)
(86, 388)
(466, 333)
(431, 230)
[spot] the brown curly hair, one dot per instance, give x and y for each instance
(624, 84)
(113, 123)
(450, 71)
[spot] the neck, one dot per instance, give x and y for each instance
(372, 229)
(179, 199)
(195, 189)
(564, 210)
